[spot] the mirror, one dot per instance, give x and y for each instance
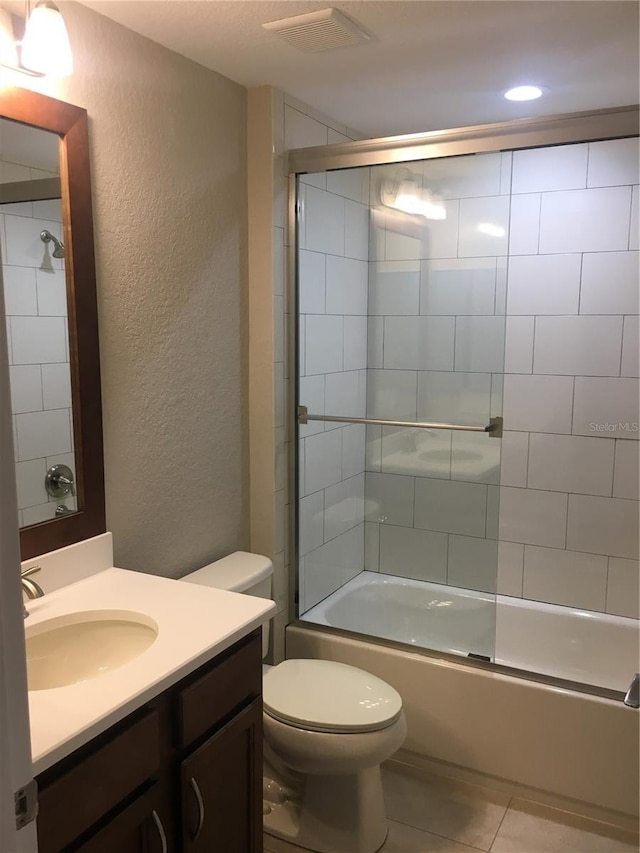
(50, 303)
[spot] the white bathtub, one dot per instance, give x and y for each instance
(577, 645)
(572, 749)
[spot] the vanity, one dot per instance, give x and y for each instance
(155, 744)
(160, 753)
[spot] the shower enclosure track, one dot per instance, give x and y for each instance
(494, 427)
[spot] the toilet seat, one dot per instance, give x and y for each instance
(325, 696)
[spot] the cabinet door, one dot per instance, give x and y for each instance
(221, 785)
(142, 827)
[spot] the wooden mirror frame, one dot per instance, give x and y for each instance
(70, 123)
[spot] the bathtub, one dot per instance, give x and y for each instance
(576, 750)
(563, 642)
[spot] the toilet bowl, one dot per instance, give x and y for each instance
(327, 728)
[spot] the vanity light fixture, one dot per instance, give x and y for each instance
(523, 93)
(44, 48)
(405, 193)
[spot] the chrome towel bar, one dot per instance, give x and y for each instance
(494, 427)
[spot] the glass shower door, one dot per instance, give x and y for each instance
(401, 297)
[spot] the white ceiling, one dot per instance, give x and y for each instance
(431, 64)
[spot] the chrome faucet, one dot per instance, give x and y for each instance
(632, 696)
(30, 587)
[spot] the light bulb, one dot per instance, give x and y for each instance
(45, 46)
(523, 93)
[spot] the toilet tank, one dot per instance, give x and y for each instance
(239, 572)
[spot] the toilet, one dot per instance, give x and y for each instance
(327, 728)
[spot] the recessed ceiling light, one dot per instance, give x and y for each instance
(523, 93)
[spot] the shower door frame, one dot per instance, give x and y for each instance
(569, 128)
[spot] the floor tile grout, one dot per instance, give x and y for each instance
(500, 824)
(439, 835)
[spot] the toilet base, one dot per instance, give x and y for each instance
(330, 814)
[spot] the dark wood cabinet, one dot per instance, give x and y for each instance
(138, 828)
(182, 774)
(221, 778)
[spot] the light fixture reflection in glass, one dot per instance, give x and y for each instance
(45, 46)
(491, 229)
(8, 49)
(412, 199)
(523, 93)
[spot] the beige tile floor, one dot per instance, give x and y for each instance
(429, 814)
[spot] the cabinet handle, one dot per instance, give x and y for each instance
(200, 802)
(160, 828)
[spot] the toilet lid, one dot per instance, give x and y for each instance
(326, 696)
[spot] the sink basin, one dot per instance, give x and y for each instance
(78, 647)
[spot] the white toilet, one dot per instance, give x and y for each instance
(327, 728)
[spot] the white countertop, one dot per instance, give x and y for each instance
(195, 624)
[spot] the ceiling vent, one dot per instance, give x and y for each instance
(317, 31)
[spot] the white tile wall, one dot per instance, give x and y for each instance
(324, 222)
(518, 351)
(355, 343)
(603, 526)
(538, 403)
(567, 519)
(36, 308)
(346, 286)
(623, 593)
(412, 553)
(310, 522)
(52, 293)
(544, 284)
(343, 506)
(626, 471)
(26, 388)
(312, 278)
(613, 162)
(473, 563)
(451, 507)
(20, 290)
(510, 568)
(583, 346)
(514, 458)
(630, 347)
(425, 343)
(565, 577)
(30, 482)
(458, 286)
(43, 434)
(323, 460)
(56, 385)
(480, 344)
(462, 398)
(609, 283)
(392, 394)
(569, 463)
(561, 167)
(324, 337)
(594, 220)
(346, 394)
(484, 227)
(524, 224)
(389, 498)
(38, 340)
(394, 287)
(533, 517)
(606, 407)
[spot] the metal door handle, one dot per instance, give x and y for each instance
(158, 824)
(200, 802)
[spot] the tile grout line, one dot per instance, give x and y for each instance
(500, 824)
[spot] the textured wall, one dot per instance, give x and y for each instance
(169, 183)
